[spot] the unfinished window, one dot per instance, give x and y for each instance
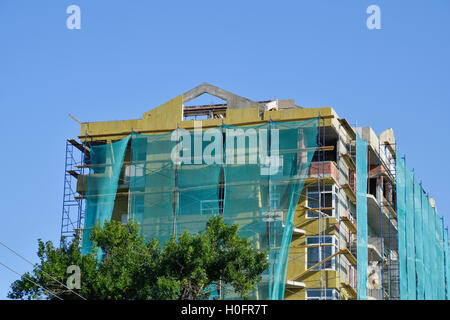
(319, 294)
(317, 252)
(327, 204)
(329, 152)
(204, 107)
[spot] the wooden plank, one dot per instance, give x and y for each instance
(349, 223)
(327, 180)
(350, 257)
(100, 165)
(349, 161)
(350, 289)
(73, 173)
(118, 194)
(295, 284)
(326, 148)
(349, 192)
(80, 147)
(298, 232)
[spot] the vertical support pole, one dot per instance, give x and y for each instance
(379, 193)
(320, 169)
(269, 247)
(132, 167)
(222, 175)
(175, 202)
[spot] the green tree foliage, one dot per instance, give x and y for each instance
(187, 267)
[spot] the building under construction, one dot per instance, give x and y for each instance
(338, 211)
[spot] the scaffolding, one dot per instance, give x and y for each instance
(73, 206)
(385, 262)
(343, 254)
(390, 278)
(350, 222)
(73, 209)
(321, 218)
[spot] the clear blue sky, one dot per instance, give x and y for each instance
(131, 56)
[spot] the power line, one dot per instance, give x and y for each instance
(42, 287)
(49, 275)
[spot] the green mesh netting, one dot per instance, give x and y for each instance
(167, 197)
(401, 220)
(418, 239)
(426, 247)
(105, 167)
(432, 250)
(246, 191)
(422, 246)
(297, 144)
(361, 216)
(410, 245)
(440, 258)
(259, 175)
(447, 264)
(152, 185)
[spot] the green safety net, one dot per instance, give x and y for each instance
(246, 191)
(410, 245)
(401, 220)
(253, 177)
(170, 196)
(422, 246)
(440, 258)
(432, 249)
(152, 185)
(418, 239)
(426, 247)
(447, 264)
(297, 144)
(361, 216)
(102, 181)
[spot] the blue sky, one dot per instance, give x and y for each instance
(131, 56)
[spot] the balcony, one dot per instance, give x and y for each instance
(381, 170)
(373, 248)
(389, 208)
(326, 171)
(384, 223)
(349, 284)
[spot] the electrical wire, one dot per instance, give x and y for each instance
(49, 275)
(25, 277)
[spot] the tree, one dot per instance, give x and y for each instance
(187, 267)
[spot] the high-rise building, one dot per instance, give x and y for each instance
(335, 206)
